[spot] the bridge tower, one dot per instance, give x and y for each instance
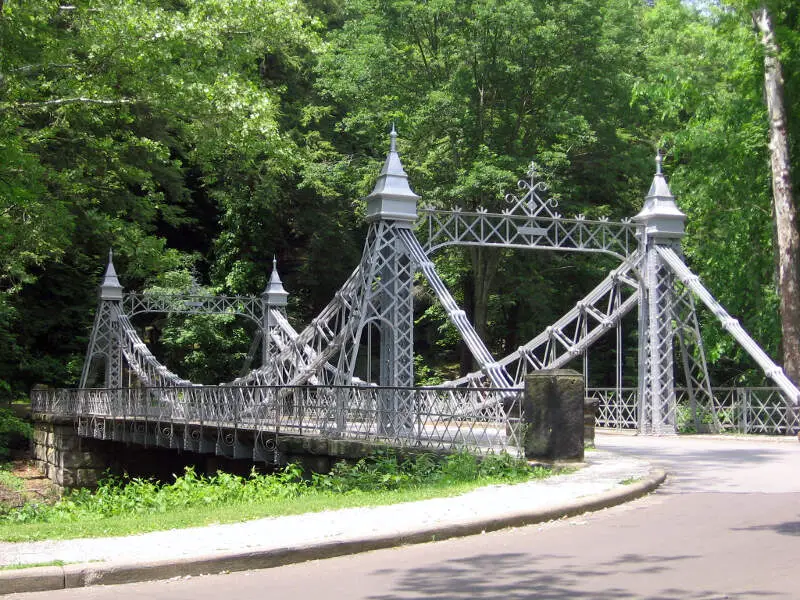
(662, 224)
(274, 299)
(381, 300)
(105, 344)
(666, 309)
(392, 206)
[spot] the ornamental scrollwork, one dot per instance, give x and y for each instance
(531, 204)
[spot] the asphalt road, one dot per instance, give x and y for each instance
(725, 525)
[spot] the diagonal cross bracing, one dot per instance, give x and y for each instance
(495, 372)
(301, 352)
(139, 358)
(451, 228)
(600, 310)
(193, 304)
(731, 325)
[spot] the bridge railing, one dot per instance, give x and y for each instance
(481, 421)
(761, 410)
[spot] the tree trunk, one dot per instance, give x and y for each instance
(788, 240)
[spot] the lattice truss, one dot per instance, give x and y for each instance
(601, 310)
(691, 283)
(377, 297)
(703, 405)
(193, 304)
(657, 328)
(371, 295)
(670, 312)
(527, 223)
(376, 302)
(104, 350)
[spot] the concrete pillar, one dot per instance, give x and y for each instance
(590, 407)
(553, 415)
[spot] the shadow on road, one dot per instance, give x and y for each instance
(516, 577)
(785, 528)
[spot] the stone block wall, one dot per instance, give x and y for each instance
(63, 456)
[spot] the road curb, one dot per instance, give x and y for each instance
(109, 573)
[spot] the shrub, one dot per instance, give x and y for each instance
(12, 431)
(383, 471)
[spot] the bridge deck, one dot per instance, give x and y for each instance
(264, 423)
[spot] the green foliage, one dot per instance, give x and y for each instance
(383, 472)
(425, 375)
(685, 418)
(50, 563)
(710, 116)
(11, 428)
(150, 127)
(218, 133)
(10, 481)
(203, 348)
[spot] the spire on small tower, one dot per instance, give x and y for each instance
(274, 293)
(110, 288)
(392, 198)
(660, 213)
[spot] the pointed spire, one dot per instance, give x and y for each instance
(392, 198)
(110, 288)
(274, 294)
(660, 213)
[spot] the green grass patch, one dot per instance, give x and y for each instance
(10, 481)
(52, 563)
(630, 480)
(122, 506)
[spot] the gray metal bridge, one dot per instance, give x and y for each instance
(314, 382)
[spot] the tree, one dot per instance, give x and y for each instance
(784, 210)
(704, 93)
(129, 124)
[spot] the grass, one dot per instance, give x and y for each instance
(52, 563)
(123, 506)
(630, 480)
(11, 481)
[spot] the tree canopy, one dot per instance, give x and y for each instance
(206, 136)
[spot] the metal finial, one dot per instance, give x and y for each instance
(274, 293)
(532, 170)
(393, 137)
(110, 288)
(194, 286)
(659, 160)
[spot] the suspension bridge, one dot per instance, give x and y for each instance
(319, 386)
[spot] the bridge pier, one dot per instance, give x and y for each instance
(68, 455)
(63, 456)
(553, 415)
